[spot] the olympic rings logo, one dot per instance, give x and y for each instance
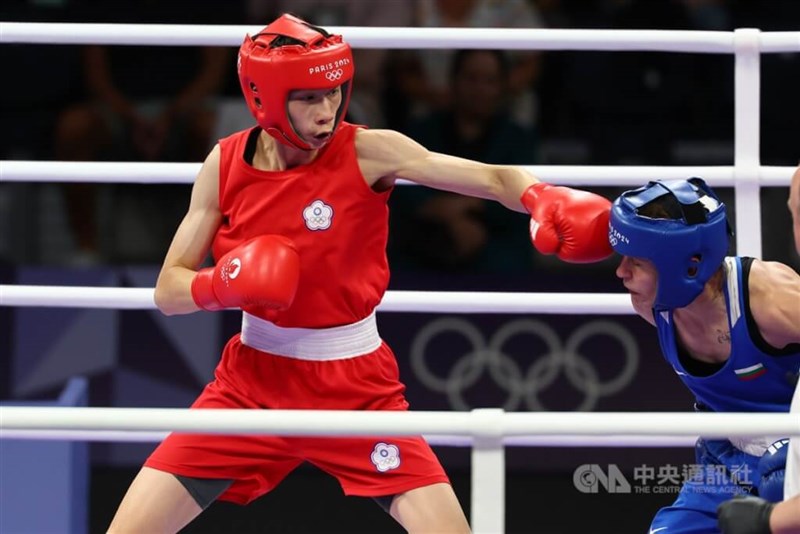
(333, 75)
(505, 371)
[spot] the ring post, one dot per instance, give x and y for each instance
(45, 484)
(487, 504)
(747, 141)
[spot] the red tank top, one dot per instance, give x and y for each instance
(338, 223)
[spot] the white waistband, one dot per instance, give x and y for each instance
(754, 446)
(334, 343)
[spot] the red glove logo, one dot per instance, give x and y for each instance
(230, 270)
(534, 228)
(567, 222)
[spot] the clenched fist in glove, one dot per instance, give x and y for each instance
(745, 515)
(262, 272)
(772, 471)
(569, 223)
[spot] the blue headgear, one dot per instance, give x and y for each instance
(687, 251)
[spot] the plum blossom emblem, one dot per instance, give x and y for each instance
(385, 456)
(318, 215)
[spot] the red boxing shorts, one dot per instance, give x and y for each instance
(250, 378)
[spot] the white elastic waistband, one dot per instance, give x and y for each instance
(334, 343)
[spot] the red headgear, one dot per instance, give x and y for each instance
(268, 73)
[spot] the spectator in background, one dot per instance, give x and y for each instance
(612, 99)
(466, 233)
(40, 81)
(433, 90)
(143, 104)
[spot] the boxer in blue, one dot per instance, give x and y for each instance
(754, 515)
(729, 327)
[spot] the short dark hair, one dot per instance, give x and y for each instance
(668, 207)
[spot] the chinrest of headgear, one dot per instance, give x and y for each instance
(686, 251)
(268, 73)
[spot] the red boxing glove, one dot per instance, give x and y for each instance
(262, 272)
(569, 223)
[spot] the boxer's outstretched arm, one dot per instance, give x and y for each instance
(566, 222)
(386, 155)
(191, 242)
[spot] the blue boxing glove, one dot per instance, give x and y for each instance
(772, 471)
(744, 515)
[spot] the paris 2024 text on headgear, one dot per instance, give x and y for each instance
(686, 251)
(291, 54)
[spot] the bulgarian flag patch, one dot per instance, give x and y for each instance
(749, 373)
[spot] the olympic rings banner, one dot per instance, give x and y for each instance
(139, 358)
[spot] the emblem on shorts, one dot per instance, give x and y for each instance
(385, 456)
(318, 215)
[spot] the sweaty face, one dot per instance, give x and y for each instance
(640, 278)
(312, 113)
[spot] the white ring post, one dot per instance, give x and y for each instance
(747, 145)
(488, 482)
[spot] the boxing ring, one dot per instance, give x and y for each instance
(486, 431)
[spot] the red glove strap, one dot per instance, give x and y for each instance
(203, 291)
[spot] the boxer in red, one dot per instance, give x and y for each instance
(294, 211)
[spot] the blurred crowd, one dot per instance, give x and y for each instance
(171, 104)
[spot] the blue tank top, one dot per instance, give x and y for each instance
(757, 377)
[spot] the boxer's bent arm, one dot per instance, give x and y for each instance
(389, 155)
(191, 242)
(774, 296)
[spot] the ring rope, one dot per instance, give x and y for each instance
(139, 436)
(714, 42)
(692, 41)
(139, 298)
(485, 422)
(169, 173)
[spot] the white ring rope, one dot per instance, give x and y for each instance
(169, 173)
(141, 298)
(712, 42)
(401, 38)
(140, 436)
(493, 423)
